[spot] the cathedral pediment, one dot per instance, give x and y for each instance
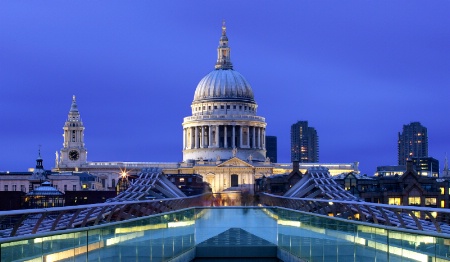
(234, 162)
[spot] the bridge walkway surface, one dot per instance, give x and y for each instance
(231, 234)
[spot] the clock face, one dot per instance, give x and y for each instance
(74, 155)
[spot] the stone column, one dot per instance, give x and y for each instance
(253, 138)
(240, 136)
(206, 143)
(196, 137)
(264, 138)
(259, 138)
(233, 139)
(184, 138)
(217, 136)
(248, 136)
(202, 136)
(209, 136)
(225, 143)
(191, 139)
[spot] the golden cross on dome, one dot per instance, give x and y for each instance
(224, 27)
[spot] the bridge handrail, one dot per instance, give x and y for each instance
(66, 208)
(400, 207)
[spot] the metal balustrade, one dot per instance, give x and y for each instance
(226, 233)
(407, 217)
(129, 204)
(316, 193)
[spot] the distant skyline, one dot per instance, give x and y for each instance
(357, 71)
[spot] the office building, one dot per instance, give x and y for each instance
(412, 142)
(424, 166)
(304, 143)
(271, 147)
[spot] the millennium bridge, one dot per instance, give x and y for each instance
(316, 220)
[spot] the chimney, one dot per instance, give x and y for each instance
(409, 165)
(295, 166)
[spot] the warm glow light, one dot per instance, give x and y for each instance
(139, 228)
(123, 238)
(289, 223)
(180, 224)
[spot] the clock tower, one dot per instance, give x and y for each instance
(73, 153)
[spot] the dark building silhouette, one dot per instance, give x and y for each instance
(412, 142)
(271, 147)
(424, 166)
(408, 188)
(279, 184)
(87, 197)
(189, 184)
(304, 143)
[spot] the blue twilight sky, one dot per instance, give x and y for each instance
(356, 70)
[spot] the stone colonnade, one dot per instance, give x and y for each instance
(224, 136)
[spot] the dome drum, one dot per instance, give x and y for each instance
(224, 154)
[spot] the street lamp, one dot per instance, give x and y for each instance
(123, 181)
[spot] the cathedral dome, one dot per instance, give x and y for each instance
(224, 123)
(223, 85)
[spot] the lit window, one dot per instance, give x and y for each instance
(442, 204)
(394, 201)
(442, 190)
(414, 201)
(182, 179)
(430, 201)
(84, 186)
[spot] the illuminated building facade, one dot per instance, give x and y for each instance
(304, 143)
(412, 142)
(224, 140)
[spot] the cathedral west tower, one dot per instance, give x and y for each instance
(224, 123)
(73, 153)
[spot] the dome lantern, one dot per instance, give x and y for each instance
(223, 51)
